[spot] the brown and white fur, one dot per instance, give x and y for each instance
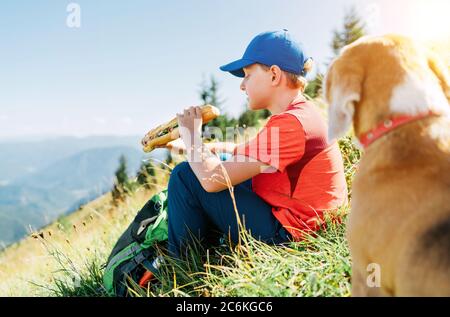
(400, 217)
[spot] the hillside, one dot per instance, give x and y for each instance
(82, 236)
(79, 235)
(38, 198)
(67, 257)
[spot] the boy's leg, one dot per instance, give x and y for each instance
(193, 209)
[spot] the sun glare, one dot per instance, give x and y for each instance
(429, 20)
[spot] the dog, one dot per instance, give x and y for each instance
(396, 94)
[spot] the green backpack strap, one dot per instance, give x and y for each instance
(159, 230)
(133, 247)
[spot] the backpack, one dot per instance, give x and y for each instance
(135, 249)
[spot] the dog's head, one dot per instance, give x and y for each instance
(377, 77)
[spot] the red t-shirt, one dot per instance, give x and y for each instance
(307, 174)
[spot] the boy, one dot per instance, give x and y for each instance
(284, 179)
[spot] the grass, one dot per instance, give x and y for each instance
(70, 261)
(317, 266)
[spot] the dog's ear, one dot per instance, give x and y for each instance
(441, 72)
(342, 91)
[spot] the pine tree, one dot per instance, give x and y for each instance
(121, 180)
(250, 118)
(169, 159)
(314, 86)
(354, 28)
(264, 114)
(209, 94)
(146, 174)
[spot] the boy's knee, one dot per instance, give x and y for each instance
(180, 170)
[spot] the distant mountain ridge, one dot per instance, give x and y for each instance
(19, 158)
(59, 186)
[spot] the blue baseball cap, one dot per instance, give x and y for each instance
(271, 48)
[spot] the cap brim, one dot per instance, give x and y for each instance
(235, 67)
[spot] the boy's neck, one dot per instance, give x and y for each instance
(284, 100)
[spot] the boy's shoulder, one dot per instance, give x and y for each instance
(296, 111)
(287, 117)
(304, 116)
(307, 110)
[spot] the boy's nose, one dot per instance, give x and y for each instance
(242, 86)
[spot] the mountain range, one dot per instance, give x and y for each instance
(40, 181)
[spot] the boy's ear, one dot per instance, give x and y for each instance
(276, 74)
(441, 72)
(342, 91)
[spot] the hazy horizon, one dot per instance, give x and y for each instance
(133, 65)
(42, 137)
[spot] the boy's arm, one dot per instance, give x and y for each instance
(178, 147)
(221, 147)
(210, 172)
(215, 175)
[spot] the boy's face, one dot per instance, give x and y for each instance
(257, 84)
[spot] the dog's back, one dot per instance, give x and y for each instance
(401, 191)
(426, 264)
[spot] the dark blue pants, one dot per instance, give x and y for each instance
(193, 212)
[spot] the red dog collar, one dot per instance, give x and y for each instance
(388, 125)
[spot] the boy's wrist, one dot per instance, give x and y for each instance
(232, 147)
(221, 147)
(195, 151)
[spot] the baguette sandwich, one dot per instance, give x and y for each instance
(164, 133)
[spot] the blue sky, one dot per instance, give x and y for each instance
(134, 64)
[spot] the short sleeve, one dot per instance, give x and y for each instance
(280, 143)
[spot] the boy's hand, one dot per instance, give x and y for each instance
(190, 125)
(176, 146)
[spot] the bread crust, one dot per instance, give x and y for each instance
(166, 132)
